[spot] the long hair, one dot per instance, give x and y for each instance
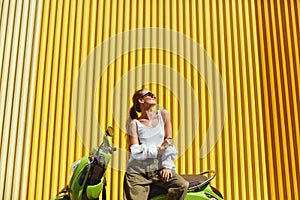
(136, 105)
(133, 112)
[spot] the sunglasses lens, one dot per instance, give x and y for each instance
(150, 94)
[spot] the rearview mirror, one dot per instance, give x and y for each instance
(110, 131)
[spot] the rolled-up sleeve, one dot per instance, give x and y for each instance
(142, 152)
(168, 157)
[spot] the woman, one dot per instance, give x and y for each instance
(152, 152)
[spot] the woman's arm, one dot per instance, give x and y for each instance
(132, 133)
(168, 125)
(168, 141)
(169, 154)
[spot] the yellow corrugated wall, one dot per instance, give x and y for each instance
(47, 113)
(19, 32)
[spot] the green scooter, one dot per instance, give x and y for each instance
(87, 181)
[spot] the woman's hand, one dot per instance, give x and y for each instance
(167, 142)
(166, 174)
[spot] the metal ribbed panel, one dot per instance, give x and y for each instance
(18, 53)
(280, 76)
(47, 111)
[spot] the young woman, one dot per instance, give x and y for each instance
(152, 152)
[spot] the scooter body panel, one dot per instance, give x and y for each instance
(76, 187)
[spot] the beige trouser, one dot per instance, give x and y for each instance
(138, 178)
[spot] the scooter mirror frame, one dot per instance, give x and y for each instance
(110, 131)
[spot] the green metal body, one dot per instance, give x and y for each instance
(81, 170)
(75, 189)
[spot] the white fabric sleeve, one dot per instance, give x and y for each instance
(142, 152)
(168, 156)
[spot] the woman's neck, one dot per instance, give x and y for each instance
(147, 114)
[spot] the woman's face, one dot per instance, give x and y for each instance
(148, 98)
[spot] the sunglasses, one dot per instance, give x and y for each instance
(150, 94)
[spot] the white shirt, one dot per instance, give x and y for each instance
(150, 138)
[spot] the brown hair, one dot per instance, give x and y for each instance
(136, 105)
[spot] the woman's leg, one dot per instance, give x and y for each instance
(136, 186)
(177, 187)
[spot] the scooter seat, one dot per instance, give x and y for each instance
(195, 180)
